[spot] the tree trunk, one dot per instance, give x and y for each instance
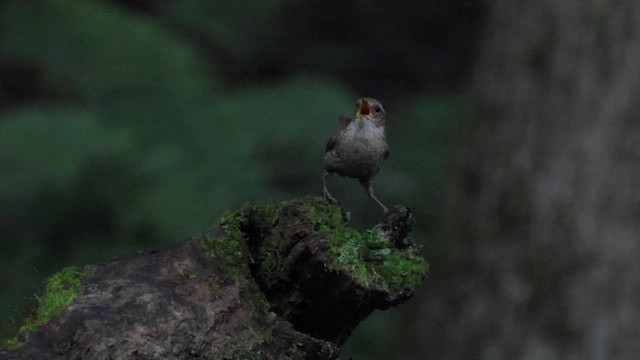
(545, 208)
(285, 282)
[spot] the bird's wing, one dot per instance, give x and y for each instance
(330, 144)
(344, 122)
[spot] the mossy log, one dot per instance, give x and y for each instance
(289, 281)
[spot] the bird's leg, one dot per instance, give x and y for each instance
(368, 185)
(325, 192)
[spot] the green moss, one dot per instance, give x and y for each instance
(370, 256)
(259, 234)
(402, 270)
(61, 290)
(273, 269)
(230, 250)
(324, 216)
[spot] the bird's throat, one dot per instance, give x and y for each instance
(363, 130)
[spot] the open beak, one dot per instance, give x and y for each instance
(364, 110)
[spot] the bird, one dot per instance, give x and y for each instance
(358, 149)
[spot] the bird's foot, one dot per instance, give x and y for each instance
(330, 199)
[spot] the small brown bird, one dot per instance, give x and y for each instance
(358, 149)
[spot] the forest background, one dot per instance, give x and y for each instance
(129, 125)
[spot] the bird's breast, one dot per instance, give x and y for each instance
(359, 150)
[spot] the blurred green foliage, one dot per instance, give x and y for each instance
(131, 125)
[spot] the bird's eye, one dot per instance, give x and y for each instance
(377, 108)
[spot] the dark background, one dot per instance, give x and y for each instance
(513, 128)
(131, 125)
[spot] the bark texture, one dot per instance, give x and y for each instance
(546, 207)
(270, 283)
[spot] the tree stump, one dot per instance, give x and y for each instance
(289, 281)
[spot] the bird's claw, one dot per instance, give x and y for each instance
(330, 199)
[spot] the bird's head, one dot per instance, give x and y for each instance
(368, 109)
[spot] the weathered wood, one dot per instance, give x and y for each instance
(271, 282)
